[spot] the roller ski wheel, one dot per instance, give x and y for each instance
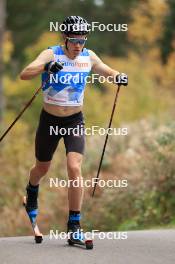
(89, 244)
(32, 217)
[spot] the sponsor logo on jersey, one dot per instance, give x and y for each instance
(76, 64)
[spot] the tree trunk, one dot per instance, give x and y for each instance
(2, 30)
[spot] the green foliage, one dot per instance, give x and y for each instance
(168, 32)
(33, 19)
(147, 162)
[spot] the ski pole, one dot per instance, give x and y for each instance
(106, 139)
(23, 110)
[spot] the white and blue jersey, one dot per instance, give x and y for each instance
(66, 88)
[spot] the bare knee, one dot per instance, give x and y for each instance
(41, 168)
(74, 170)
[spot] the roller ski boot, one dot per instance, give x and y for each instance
(77, 237)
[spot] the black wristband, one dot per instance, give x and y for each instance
(46, 66)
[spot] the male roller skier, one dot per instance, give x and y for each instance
(62, 106)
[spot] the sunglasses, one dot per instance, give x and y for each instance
(77, 40)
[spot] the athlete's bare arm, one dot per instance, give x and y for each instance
(99, 67)
(37, 66)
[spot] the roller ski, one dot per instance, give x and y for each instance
(31, 207)
(77, 237)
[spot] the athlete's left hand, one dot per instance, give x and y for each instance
(122, 79)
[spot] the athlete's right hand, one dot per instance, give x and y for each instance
(53, 67)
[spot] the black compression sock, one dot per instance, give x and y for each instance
(34, 187)
(74, 217)
(32, 195)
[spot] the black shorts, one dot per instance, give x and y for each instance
(52, 128)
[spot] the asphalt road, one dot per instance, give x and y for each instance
(140, 247)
